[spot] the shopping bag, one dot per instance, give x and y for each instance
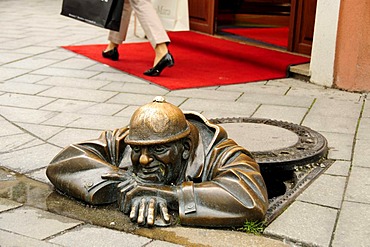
(102, 13)
(174, 14)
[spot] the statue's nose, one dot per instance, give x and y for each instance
(145, 158)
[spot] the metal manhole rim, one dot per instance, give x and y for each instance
(310, 147)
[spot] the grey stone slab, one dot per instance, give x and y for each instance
(102, 68)
(73, 82)
(158, 243)
(340, 145)
(57, 55)
(9, 143)
(127, 111)
(329, 107)
(66, 105)
(339, 168)
(9, 73)
(283, 113)
(129, 87)
(358, 188)
(24, 88)
(74, 63)
(132, 99)
(306, 223)
(8, 57)
(353, 228)
(25, 115)
(218, 106)
(104, 109)
(119, 76)
(24, 101)
(8, 128)
(362, 153)
(62, 119)
(28, 78)
(206, 94)
(41, 131)
(9, 239)
(256, 88)
(97, 236)
(35, 223)
(78, 94)
(281, 100)
(39, 175)
(331, 123)
(218, 238)
(30, 63)
(100, 122)
(33, 49)
(6, 204)
(363, 132)
(28, 159)
(73, 73)
(69, 136)
(327, 190)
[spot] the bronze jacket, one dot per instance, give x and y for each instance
(222, 185)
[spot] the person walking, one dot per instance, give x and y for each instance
(153, 29)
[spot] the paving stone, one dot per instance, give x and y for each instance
(118, 77)
(8, 57)
(66, 105)
(74, 63)
(340, 145)
(40, 175)
(362, 153)
(157, 243)
(339, 168)
(358, 189)
(59, 54)
(326, 190)
(6, 204)
(70, 135)
(104, 109)
(218, 106)
(306, 223)
(255, 88)
(363, 129)
(12, 239)
(331, 124)
(8, 128)
(78, 94)
(93, 236)
(73, 82)
(30, 63)
(9, 143)
(329, 107)
(28, 78)
(127, 111)
(34, 49)
(73, 73)
(23, 88)
(25, 115)
(281, 100)
(8, 73)
(308, 89)
(24, 101)
(35, 223)
(283, 113)
(132, 99)
(100, 123)
(353, 228)
(129, 87)
(43, 132)
(218, 238)
(28, 159)
(205, 94)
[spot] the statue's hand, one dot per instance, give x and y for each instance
(148, 204)
(117, 176)
(149, 210)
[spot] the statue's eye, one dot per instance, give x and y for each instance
(159, 148)
(136, 149)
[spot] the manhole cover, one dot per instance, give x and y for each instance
(276, 144)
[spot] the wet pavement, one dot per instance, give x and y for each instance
(50, 97)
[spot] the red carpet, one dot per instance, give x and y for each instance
(271, 35)
(200, 61)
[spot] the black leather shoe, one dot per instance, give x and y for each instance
(111, 54)
(166, 61)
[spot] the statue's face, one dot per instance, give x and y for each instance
(159, 164)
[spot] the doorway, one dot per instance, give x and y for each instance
(291, 20)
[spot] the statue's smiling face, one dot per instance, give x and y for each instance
(158, 164)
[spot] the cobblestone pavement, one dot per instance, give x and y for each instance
(50, 97)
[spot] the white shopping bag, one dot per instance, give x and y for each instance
(174, 14)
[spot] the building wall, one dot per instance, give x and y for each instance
(352, 58)
(324, 42)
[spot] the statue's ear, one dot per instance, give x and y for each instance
(187, 144)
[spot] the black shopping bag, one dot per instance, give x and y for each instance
(102, 13)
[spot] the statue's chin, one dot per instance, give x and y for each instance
(150, 178)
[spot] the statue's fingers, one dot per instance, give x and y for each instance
(125, 197)
(164, 212)
(134, 208)
(111, 176)
(151, 212)
(141, 214)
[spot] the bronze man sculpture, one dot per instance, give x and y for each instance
(165, 160)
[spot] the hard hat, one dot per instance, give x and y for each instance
(156, 123)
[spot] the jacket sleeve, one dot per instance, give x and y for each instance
(232, 190)
(77, 169)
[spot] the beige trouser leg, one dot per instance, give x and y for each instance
(148, 19)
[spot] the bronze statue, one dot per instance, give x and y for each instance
(165, 160)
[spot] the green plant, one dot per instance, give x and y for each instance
(254, 227)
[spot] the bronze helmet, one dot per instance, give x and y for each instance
(156, 123)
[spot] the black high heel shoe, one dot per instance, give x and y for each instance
(166, 61)
(111, 54)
